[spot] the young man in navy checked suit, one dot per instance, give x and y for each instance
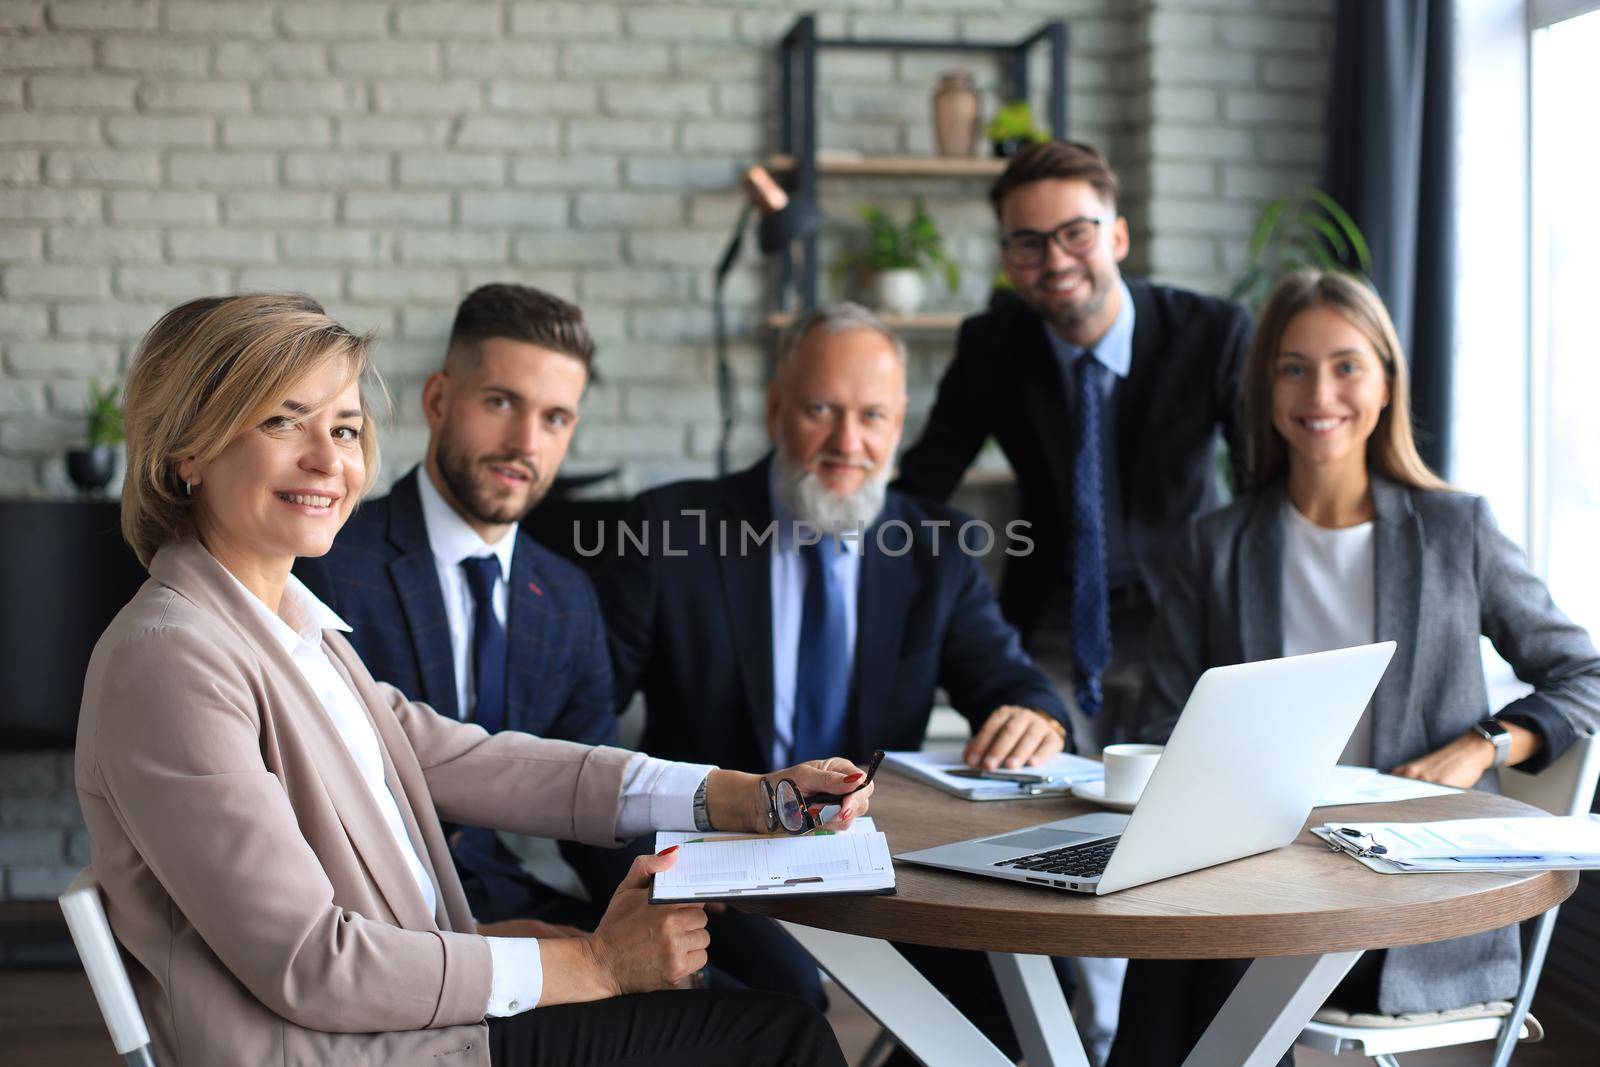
(451, 603)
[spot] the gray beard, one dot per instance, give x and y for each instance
(811, 502)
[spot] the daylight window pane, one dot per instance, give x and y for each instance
(1566, 160)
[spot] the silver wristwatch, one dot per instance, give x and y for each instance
(1497, 735)
(702, 817)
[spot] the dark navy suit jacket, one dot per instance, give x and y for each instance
(381, 579)
(1005, 382)
(694, 631)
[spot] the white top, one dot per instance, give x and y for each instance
(453, 541)
(1330, 600)
(656, 794)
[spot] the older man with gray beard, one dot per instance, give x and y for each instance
(801, 607)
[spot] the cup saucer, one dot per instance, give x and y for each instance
(1095, 793)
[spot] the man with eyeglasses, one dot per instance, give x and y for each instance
(1106, 394)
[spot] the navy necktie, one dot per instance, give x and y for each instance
(1091, 617)
(488, 645)
(822, 669)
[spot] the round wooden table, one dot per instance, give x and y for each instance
(1303, 911)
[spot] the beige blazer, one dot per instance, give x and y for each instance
(269, 914)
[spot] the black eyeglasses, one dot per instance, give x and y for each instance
(790, 810)
(1030, 248)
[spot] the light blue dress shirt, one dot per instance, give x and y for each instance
(788, 597)
(1114, 351)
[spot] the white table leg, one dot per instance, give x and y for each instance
(1038, 1010)
(1270, 1006)
(900, 998)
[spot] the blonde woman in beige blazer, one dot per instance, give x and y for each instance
(265, 815)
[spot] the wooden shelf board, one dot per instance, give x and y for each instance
(928, 321)
(898, 166)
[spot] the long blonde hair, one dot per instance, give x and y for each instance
(204, 373)
(1392, 448)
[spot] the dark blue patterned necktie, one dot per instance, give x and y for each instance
(488, 645)
(822, 669)
(1091, 618)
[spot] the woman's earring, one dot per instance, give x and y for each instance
(188, 487)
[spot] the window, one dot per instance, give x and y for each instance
(1564, 452)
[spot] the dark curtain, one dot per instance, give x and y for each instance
(1390, 162)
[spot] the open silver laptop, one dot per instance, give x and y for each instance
(1242, 770)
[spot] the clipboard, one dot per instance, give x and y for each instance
(733, 867)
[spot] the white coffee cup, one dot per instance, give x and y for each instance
(1128, 768)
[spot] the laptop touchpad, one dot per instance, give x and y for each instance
(1038, 839)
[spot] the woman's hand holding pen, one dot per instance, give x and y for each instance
(734, 799)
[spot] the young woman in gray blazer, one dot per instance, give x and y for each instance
(1345, 538)
(264, 816)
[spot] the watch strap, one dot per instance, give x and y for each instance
(702, 816)
(1494, 732)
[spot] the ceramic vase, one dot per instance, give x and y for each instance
(955, 115)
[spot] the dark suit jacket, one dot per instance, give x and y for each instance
(381, 579)
(695, 631)
(1444, 575)
(1005, 382)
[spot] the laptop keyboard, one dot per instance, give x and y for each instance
(1081, 861)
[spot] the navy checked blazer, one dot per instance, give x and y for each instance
(380, 577)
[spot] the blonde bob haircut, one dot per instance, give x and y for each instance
(1392, 448)
(205, 373)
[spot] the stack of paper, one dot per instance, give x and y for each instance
(1523, 844)
(948, 773)
(713, 866)
(1364, 785)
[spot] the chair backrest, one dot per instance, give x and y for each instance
(1566, 787)
(102, 960)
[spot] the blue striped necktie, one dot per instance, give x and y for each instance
(822, 669)
(488, 645)
(1091, 616)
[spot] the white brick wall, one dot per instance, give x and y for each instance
(386, 156)
(1233, 116)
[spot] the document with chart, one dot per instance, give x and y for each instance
(713, 866)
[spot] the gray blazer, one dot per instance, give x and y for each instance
(1444, 574)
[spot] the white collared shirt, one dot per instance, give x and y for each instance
(453, 541)
(656, 794)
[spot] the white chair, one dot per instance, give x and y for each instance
(102, 961)
(1566, 787)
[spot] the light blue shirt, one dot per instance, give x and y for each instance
(1114, 351)
(788, 600)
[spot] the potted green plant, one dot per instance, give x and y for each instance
(91, 467)
(895, 257)
(1013, 128)
(1308, 229)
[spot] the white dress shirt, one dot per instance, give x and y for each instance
(1330, 600)
(788, 578)
(656, 794)
(453, 541)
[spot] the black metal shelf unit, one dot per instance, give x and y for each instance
(797, 109)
